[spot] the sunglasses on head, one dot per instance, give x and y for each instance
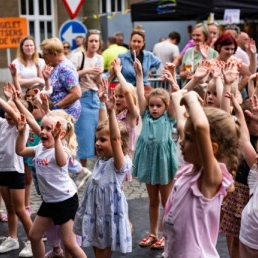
(95, 31)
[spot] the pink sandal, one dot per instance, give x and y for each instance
(3, 217)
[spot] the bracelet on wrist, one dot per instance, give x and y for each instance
(102, 105)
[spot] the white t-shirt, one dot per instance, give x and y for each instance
(55, 184)
(28, 72)
(9, 160)
(165, 51)
(249, 218)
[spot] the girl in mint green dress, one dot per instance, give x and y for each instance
(155, 153)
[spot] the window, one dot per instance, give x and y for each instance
(40, 16)
(107, 6)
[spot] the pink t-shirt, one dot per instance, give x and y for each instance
(191, 221)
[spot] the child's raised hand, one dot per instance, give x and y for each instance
(103, 90)
(12, 68)
(171, 68)
(116, 64)
(254, 106)
(21, 125)
(9, 91)
(217, 69)
(56, 130)
(44, 103)
(110, 102)
(229, 73)
(137, 66)
(202, 70)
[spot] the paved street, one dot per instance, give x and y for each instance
(138, 213)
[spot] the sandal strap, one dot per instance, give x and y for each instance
(148, 237)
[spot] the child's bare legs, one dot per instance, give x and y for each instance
(155, 192)
(15, 202)
(12, 218)
(233, 246)
(69, 241)
(154, 200)
(99, 253)
(39, 227)
(28, 181)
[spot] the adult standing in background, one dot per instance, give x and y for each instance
(213, 28)
(120, 39)
(63, 78)
(111, 52)
(196, 54)
(79, 43)
(28, 64)
(67, 49)
(147, 59)
(168, 51)
(89, 65)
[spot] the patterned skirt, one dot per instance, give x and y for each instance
(232, 208)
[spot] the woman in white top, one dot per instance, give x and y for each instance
(29, 73)
(28, 64)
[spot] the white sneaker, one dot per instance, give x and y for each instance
(81, 178)
(26, 251)
(9, 244)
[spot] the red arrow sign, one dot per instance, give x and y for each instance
(73, 7)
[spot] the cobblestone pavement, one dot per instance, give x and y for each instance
(132, 190)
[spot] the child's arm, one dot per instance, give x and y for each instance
(133, 113)
(140, 86)
(13, 70)
(180, 111)
(20, 146)
(200, 74)
(60, 154)
(244, 141)
(212, 176)
(29, 117)
(252, 89)
(103, 95)
(230, 76)
(9, 110)
(115, 137)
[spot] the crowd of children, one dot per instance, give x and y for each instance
(206, 182)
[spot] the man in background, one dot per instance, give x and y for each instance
(168, 51)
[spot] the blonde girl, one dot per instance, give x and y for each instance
(126, 107)
(60, 200)
(155, 154)
(102, 217)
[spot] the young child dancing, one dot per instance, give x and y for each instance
(126, 107)
(102, 217)
(210, 148)
(59, 193)
(155, 153)
(12, 179)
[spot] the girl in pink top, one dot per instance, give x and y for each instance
(210, 150)
(126, 107)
